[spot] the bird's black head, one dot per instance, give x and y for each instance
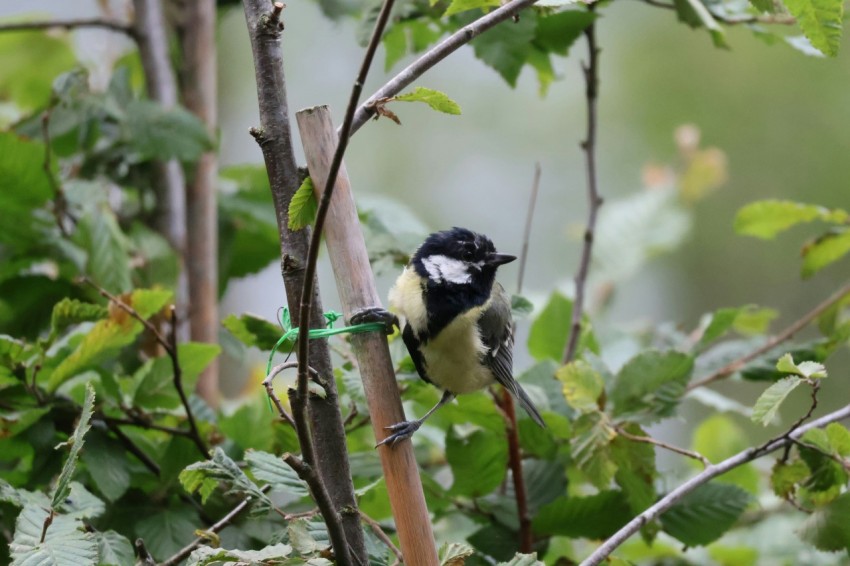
(459, 257)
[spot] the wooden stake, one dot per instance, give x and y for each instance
(356, 285)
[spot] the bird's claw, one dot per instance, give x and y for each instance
(376, 314)
(401, 431)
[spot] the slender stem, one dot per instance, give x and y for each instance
(526, 233)
(711, 472)
(216, 527)
(783, 336)
(382, 536)
(778, 19)
(332, 519)
(60, 204)
(526, 537)
(434, 55)
(145, 425)
(73, 23)
(324, 205)
(649, 440)
(591, 78)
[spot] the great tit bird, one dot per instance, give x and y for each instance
(458, 326)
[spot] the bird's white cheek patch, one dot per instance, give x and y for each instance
(443, 268)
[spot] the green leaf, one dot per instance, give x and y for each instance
(274, 554)
(828, 528)
(14, 423)
(455, 554)
(557, 32)
(66, 542)
(733, 555)
(636, 470)
(254, 331)
(107, 260)
(696, 14)
(786, 476)
(81, 503)
(651, 383)
(495, 540)
(155, 132)
(29, 61)
(764, 6)
(251, 425)
(75, 443)
(520, 307)
(458, 6)
(506, 46)
(703, 515)
(115, 550)
(582, 385)
(828, 477)
(395, 45)
(807, 370)
(820, 21)
(221, 468)
(523, 560)
(548, 334)
(275, 472)
(437, 100)
(71, 311)
(769, 401)
(594, 517)
(107, 464)
(825, 250)
(303, 206)
(167, 531)
(839, 438)
(592, 436)
(719, 437)
(766, 218)
(477, 476)
(24, 186)
(154, 381)
(747, 320)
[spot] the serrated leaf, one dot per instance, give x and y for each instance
(167, 531)
(455, 554)
(253, 331)
(458, 6)
(506, 46)
(651, 383)
(549, 331)
(107, 255)
(703, 515)
(71, 311)
(24, 186)
(594, 517)
(523, 560)
(115, 550)
(477, 476)
(273, 554)
(582, 385)
(828, 528)
(827, 477)
(807, 370)
(303, 206)
(275, 472)
(81, 503)
(437, 100)
(825, 250)
(557, 32)
(820, 21)
(786, 476)
(221, 468)
(62, 487)
(766, 218)
(770, 400)
(719, 437)
(107, 464)
(251, 425)
(153, 383)
(636, 470)
(590, 448)
(154, 132)
(66, 542)
(839, 438)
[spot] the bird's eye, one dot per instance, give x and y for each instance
(468, 255)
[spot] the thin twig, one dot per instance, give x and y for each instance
(779, 19)
(591, 78)
(143, 424)
(783, 336)
(111, 25)
(526, 536)
(843, 462)
(332, 519)
(814, 405)
(379, 532)
(649, 440)
(60, 204)
(216, 527)
(704, 477)
(526, 233)
(178, 385)
(170, 347)
(434, 55)
(268, 383)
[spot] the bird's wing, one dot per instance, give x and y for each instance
(412, 343)
(497, 335)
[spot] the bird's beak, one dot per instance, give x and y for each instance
(495, 259)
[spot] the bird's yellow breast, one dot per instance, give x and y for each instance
(452, 357)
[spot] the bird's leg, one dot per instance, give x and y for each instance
(405, 429)
(375, 314)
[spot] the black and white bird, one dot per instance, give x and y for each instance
(457, 320)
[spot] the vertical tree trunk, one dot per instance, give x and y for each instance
(198, 81)
(275, 139)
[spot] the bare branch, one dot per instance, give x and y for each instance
(112, 25)
(591, 78)
(783, 336)
(526, 233)
(434, 55)
(139, 423)
(382, 536)
(779, 19)
(704, 477)
(649, 440)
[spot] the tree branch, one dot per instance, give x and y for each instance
(526, 233)
(783, 336)
(703, 477)
(779, 19)
(379, 532)
(434, 55)
(591, 78)
(649, 440)
(526, 536)
(112, 25)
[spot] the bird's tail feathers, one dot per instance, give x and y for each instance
(525, 401)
